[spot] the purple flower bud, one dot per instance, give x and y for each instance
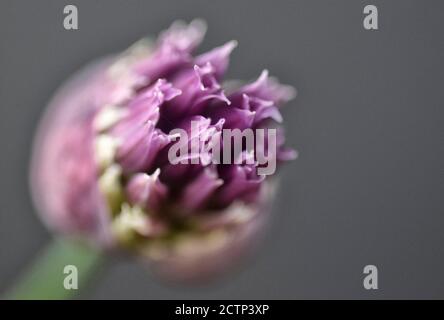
(102, 167)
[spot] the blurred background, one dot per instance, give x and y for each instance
(367, 187)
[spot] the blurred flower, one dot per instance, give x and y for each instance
(100, 167)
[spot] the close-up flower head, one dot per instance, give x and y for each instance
(153, 152)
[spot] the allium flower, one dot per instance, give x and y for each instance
(100, 167)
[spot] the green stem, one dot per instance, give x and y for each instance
(46, 278)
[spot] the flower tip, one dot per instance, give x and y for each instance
(228, 47)
(155, 175)
(289, 92)
(199, 26)
(225, 98)
(219, 124)
(288, 155)
(263, 76)
(183, 36)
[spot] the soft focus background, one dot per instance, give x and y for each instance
(368, 186)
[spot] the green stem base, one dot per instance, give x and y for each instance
(45, 279)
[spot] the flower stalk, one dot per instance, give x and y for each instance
(45, 280)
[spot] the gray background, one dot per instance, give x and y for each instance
(368, 186)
